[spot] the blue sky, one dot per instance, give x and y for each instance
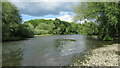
(46, 10)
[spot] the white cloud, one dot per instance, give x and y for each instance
(83, 21)
(67, 18)
(66, 13)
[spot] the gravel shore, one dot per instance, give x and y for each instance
(103, 56)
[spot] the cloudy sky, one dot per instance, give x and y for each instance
(46, 10)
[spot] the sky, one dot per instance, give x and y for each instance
(49, 9)
(46, 10)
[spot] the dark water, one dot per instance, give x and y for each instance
(57, 50)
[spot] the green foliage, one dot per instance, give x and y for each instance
(56, 26)
(107, 15)
(6, 32)
(12, 29)
(107, 37)
(29, 26)
(62, 27)
(10, 13)
(42, 29)
(25, 32)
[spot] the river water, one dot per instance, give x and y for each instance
(56, 50)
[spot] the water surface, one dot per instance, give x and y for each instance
(57, 50)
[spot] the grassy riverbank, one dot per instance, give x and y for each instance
(103, 56)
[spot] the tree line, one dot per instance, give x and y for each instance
(58, 27)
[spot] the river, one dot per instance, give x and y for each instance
(56, 50)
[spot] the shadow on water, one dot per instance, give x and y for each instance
(11, 54)
(62, 42)
(95, 43)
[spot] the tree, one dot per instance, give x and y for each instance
(12, 28)
(25, 32)
(106, 14)
(10, 13)
(43, 28)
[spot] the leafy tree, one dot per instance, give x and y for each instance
(106, 14)
(11, 23)
(10, 13)
(89, 28)
(43, 28)
(29, 26)
(25, 32)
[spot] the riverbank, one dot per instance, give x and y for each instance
(44, 35)
(103, 56)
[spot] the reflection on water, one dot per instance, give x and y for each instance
(12, 54)
(47, 50)
(68, 46)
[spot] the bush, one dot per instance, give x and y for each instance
(107, 38)
(25, 32)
